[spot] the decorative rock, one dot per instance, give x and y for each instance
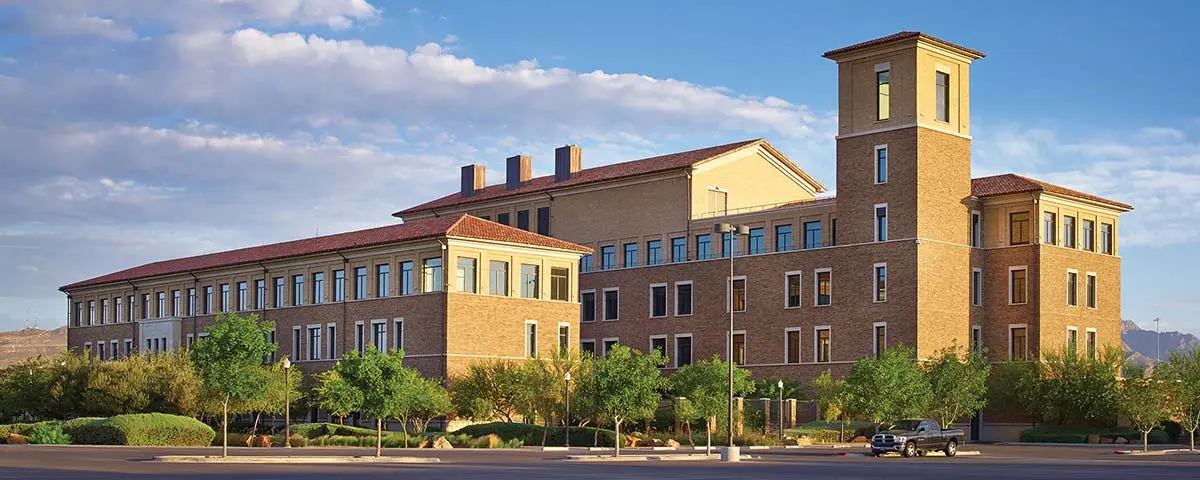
(15, 439)
(861, 439)
(423, 444)
(671, 443)
(262, 441)
(656, 442)
(441, 442)
(1121, 441)
(1093, 439)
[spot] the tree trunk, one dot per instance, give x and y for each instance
(842, 430)
(225, 428)
(617, 440)
(708, 432)
(1145, 440)
(1192, 434)
(691, 441)
(254, 429)
(596, 436)
(545, 430)
(378, 437)
(404, 429)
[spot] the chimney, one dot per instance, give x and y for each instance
(568, 159)
(474, 179)
(520, 170)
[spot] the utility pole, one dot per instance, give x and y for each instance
(1157, 340)
(731, 453)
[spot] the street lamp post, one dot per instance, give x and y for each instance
(733, 231)
(1157, 340)
(287, 402)
(567, 417)
(780, 385)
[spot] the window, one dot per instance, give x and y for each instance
(297, 341)
(631, 255)
(128, 347)
(1068, 231)
(728, 245)
(832, 232)
(976, 230)
(679, 249)
(821, 344)
(792, 281)
(242, 296)
(91, 318)
(587, 348)
(339, 285)
(1018, 228)
(543, 221)
(145, 308)
(783, 238)
(942, 89)
(658, 300)
(791, 345)
(659, 342)
(358, 336)
(161, 311)
(1018, 342)
(498, 278)
(1072, 288)
(104, 311)
(465, 278)
(880, 282)
(260, 294)
(585, 263)
(523, 219)
(739, 348)
(398, 333)
(1091, 290)
(812, 234)
(560, 284)
(1091, 343)
(297, 290)
(531, 350)
(612, 299)
(118, 308)
(208, 300)
(654, 252)
(879, 343)
(503, 218)
(976, 287)
(1072, 341)
(1049, 228)
(703, 247)
(379, 335)
(100, 351)
(191, 305)
(432, 280)
(529, 282)
(383, 280)
(270, 358)
(314, 342)
(882, 100)
(1106, 239)
(738, 299)
(608, 257)
(976, 339)
(607, 344)
(78, 314)
(318, 287)
(564, 338)
(224, 297)
(683, 298)
(718, 201)
(279, 292)
(332, 341)
(881, 222)
(406, 278)
(822, 286)
(360, 283)
(758, 243)
(587, 306)
(683, 350)
(129, 314)
(1016, 286)
(176, 303)
(1089, 235)
(881, 164)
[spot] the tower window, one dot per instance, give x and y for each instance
(881, 164)
(943, 96)
(882, 99)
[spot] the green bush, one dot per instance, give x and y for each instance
(17, 428)
(532, 434)
(48, 434)
(144, 429)
(314, 430)
(1064, 434)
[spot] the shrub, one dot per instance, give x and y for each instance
(827, 432)
(17, 428)
(532, 434)
(1061, 434)
(145, 429)
(48, 434)
(314, 430)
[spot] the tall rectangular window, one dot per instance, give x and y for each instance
(585, 263)
(208, 300)
(728, 245)
(683, 350)
(783, 238)
(658, 301)
(314, 343)
(1049, 228)
(654, 252)
(812, 234)
(318, 287)
(531, 350)
(129, 312)
(659, 342)
(498, 278)
(880, 340)
(523, 219)
(587, 306)
(1072, 288)
(465, 275)
(91, 316)
(821, 352)
(882, 95)
(792, 281)
(1089, 235)
(683, 298)
(738, 300)
(360, 283)
(880, 283)
(78, 314)
(242, 295)
(942, 89)
(881, 164)
(976, 339)
(104, 311)
(881, 224)
(976, 230)
(530, 287)
(1016, 286)
(331, 340)
(560, 284)
(1072, 341)
(358, 336)
(612, 303)
(432, 275)
(176, 303)
(398, 333)
(260, 294)
(1091, 344)
(119, 309)
(339, 285)
(608, 257)
(406, 278)
(1091, 290)
(225, 297)
(823, 287)
(564, 338)
(1068, 231)
(976, 287)
(758, 242)
(1106, 239)
(679, 249)
(279, 292)
(791, 346)
(587, 348)
(832, 232)
(1018, 228)
(379, 336)
(631, 255)
(1018, 343)
(739, 348)
(383, 280)
(503, 218)
(191, 305)
(161, 310)
(543, 221)
(703, 247)
(297, 290)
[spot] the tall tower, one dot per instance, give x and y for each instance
(904, 168)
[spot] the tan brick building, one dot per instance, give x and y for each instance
(448, 291)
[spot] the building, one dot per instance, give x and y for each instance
(912, 250)
(449, 291)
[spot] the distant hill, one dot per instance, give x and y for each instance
(1141, 345)
(19, 345)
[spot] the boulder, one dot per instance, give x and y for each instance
(423, 444)
(261, 441)
(656, 442)
(631, 441)
(296, 440)
(1121, 441)
(16, 439)
(861, 439)
(671, 443)
(441, 442)
(1093, 439)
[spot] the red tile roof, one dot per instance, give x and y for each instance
(902, 36)
(1010, 183)
(645, 166)
(454, 226)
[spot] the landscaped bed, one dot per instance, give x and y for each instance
(146, 429)
(1065, 434)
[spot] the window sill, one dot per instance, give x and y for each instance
(611, 320)
(797, 307)
(879, 301)
(683, 314)
(825, 305)
(657, 317)
(1015, 304)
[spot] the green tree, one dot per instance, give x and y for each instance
(1013, 388)
(891, 387)
(424, 400)
(958, 384)
(25, 388)
(705, 384)
(278, 392)
(1183, 373)
(335, 395)
(230, 362)
(379, 379)
(627, 386)
(1144, 401)
(490, 390)
(175, 385)
(831, 399)
(1077, 390)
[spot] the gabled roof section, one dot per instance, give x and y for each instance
(616, 171)
(454, 226)
(1010, 183)
(973, 54)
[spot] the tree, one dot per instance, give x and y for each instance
(491, 390)
(423, 400)
(230, 362)
(335, 395)
(1183, 374)
(1144, 401)
(958, 386)
(544, 381)
(275, 399)
(1077, 390)
(628, 384)
(1013, 388)
(706, 386)
(891, 387)
(381, 384)
(769, 388)
(831, 401)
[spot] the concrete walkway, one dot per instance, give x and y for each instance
(314, 459)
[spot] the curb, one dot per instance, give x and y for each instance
(643, 458)
(961, 453)
(293, 460)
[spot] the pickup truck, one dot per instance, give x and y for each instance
(916, 437)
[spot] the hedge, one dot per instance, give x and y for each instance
(142, 429)
(314, 430)
(1064, 434)
(532, 434)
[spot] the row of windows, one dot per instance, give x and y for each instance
(1020, 233)
(883, 109)
(543, 220)
(1018, 341)
(1018, 287)
(821, 348)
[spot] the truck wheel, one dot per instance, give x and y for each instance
(910, 450)
(951, 448)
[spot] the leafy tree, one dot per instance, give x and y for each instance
(1076, 390)
(832, 399)
(1013, 387)
(423, 400)
(1183, 374)
(705, 384)
(278, 392)
(891, 387)
(769, 388)
(492, 389)
(335, 395)
(175, 385)
(25, 388)
(1144, 401)
(958, 386)
(627, 386)
(379, 380)
(230, 362)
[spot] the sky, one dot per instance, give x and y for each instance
(136, 131)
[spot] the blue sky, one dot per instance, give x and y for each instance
(136, 133)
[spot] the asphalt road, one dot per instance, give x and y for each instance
(995, 461)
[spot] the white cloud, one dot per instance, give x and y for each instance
(1162, 133)
(450, 38)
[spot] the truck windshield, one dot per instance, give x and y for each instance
(905, 425)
